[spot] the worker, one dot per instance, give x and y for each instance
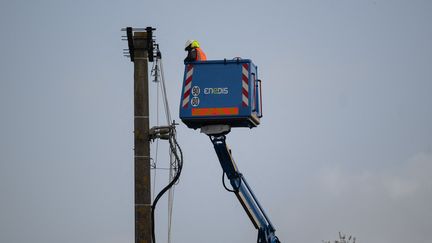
(195, 53)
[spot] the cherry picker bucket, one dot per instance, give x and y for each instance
(226, 92)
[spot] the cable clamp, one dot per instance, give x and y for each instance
(162, 132)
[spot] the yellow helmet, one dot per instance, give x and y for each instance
(195, 44)
(191, 44)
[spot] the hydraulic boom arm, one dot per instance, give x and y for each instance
(266, 231)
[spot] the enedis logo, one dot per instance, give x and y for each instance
(216, 91)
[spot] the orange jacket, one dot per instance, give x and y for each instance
(201, 56)
(195, 54)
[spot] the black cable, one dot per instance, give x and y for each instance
(173, 145)
(235, 189)
(238, 175)
(223, 183)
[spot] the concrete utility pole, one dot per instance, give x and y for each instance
(141, 51)
(142, 141)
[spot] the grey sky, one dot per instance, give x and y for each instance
(345, 143)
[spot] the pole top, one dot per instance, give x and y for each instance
(139, 33)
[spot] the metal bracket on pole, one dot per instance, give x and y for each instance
(130, 43)
(130, 52)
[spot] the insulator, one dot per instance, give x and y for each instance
(164, 136)
(164, 130)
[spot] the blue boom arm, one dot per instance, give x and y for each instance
(266, 231)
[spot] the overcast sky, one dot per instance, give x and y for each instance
(345, 143)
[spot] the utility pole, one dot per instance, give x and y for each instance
(140, 42)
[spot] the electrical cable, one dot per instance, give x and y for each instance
(173, 146)
(238, 175)
(234, 189)
(176, 154)
(155, 68)
(164, 94)
(223, 183)
(176, 160)
(172, 160)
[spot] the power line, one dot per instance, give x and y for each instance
(174, 163)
